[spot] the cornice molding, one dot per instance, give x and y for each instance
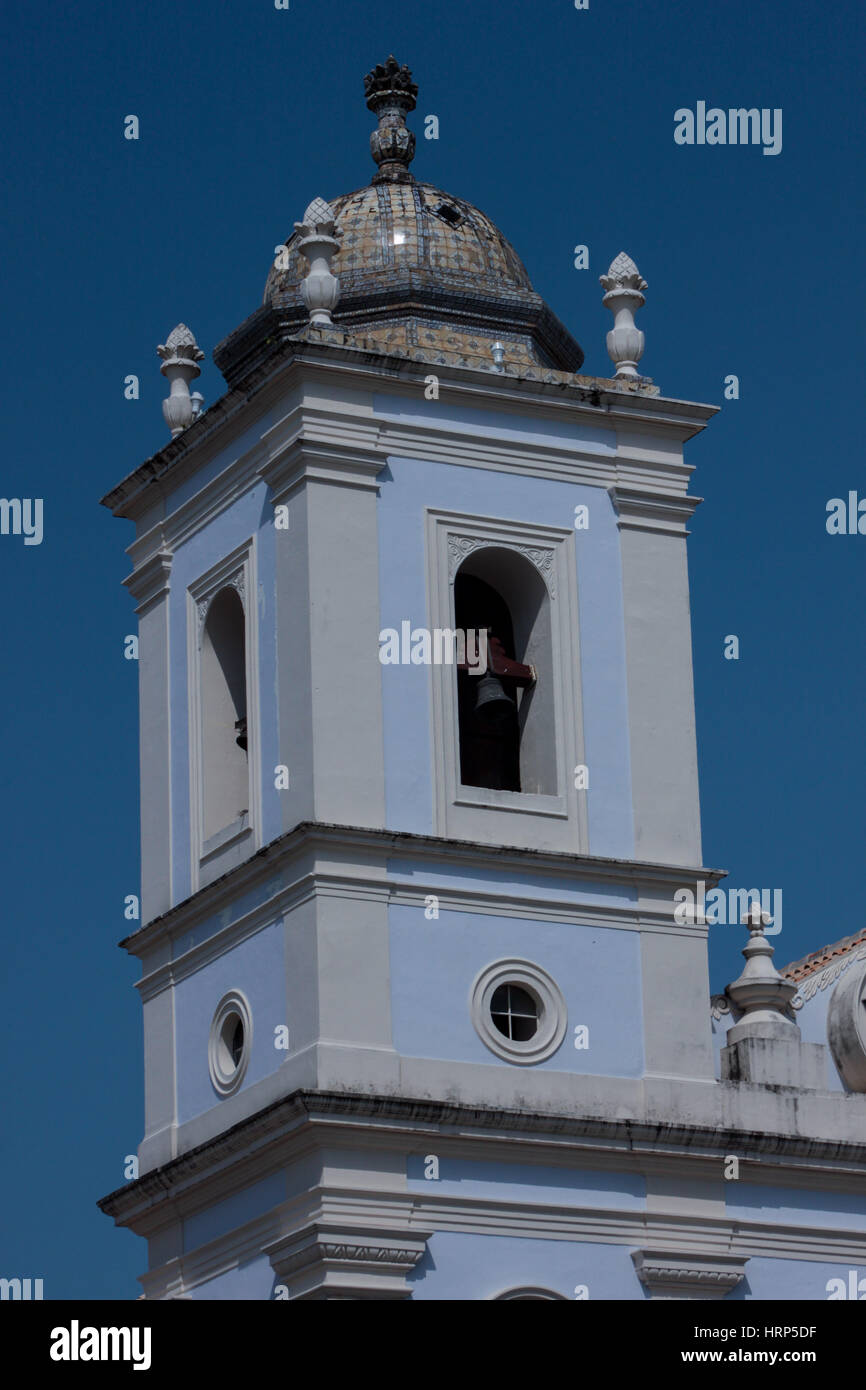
(407, 1122)
(308, 460)
(190, 957)
(150, 580)
(346, 447)
(678, 1250)
(327, 443)
(541, 909)
(651, 511)
(679, 420)
(688, 1275)
(372, 846)
(324, 1261)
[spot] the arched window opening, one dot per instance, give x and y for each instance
(506, 725)
(225, 770)
(487, 706)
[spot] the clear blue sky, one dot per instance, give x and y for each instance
(559, 124)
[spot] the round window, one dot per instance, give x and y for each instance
(229, 1045)
(515, 1012)
(518, 1011)
(237, 1041)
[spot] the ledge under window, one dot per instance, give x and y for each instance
(237, 830)
(535, 803)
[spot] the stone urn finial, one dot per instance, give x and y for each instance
(391, 95)
(766, 1048)
(760, 992)
(180, 358)
(319, 243)
(625, 342)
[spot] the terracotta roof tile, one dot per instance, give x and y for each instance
(799, 969)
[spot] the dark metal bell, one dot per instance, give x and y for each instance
(492, 704)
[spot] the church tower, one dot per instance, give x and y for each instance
(418, 790)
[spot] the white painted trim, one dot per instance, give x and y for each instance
(226, 1082)
(279, 1134)
(529, 803)
(238, 830)
(652, 511)
(644, 451)
(701, 1242)
(189, 960)
(552, 1018)
(677, 1274)
(341, 1260)
(599, 403)
(151, 580)
(311, 847)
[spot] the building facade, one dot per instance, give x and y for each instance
(421, 1017)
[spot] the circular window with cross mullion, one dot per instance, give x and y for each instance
(514, 1012)
(518, 1011)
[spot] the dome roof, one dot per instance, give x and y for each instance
(419, 269)
(391, 227)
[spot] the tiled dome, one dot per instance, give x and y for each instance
(419, 270)
(393, 227)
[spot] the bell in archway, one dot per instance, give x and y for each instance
(493, 705)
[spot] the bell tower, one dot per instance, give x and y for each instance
(409, 953)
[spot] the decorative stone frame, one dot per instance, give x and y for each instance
(535, 820)
(846, 1026)
(552, 1016)
(226, 1082)
(237, 570)
(325, 1260)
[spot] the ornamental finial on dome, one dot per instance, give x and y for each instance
(319, 217)
(391, 94)
(623, 274)
(319, 233)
